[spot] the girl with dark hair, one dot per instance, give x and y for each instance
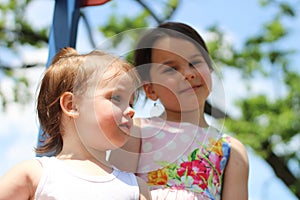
(178, 153)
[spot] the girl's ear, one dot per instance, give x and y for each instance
(67, 105)
(149, 91)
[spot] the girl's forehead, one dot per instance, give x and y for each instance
(174, 45)
(116, 78)
(111, 81)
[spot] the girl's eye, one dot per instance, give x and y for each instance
(169, 69)
(195, 63)
(116, 98)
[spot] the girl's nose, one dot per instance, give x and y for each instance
(129, 112)
(189, 74)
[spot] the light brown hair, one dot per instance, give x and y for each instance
(70, 72)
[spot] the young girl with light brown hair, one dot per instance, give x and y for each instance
(84, 109)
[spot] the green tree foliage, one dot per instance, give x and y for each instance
(15, 32)
(270, 126)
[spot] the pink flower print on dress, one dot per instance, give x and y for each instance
(197, 169)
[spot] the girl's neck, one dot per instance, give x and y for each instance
(90, 164)
(193, 117)
(75, 151)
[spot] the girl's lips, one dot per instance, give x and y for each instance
(126, 125)
(190, 89)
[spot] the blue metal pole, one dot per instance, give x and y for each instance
(64, 26)
(63, 32)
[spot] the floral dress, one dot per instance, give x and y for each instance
(181, 160)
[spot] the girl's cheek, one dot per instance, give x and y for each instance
(208, 81)
(117, 112)
(206, 75)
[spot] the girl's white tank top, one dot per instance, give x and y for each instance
(58, 182)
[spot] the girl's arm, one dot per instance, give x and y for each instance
(144, 191)
(20, 182)
(235, 185)
(126, 158)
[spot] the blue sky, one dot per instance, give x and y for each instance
(239, 19)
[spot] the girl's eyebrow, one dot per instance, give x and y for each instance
(196, 55)
(114, 90)
(167, 62)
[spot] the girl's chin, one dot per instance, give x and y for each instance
(118, 144)
(125, 131)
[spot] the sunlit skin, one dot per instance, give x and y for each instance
(102, 121)
(106, 116)
(180, 78)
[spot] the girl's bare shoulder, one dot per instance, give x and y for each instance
(21, 180)
(238, 152)
(235, 186)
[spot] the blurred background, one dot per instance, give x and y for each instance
(255, 45)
